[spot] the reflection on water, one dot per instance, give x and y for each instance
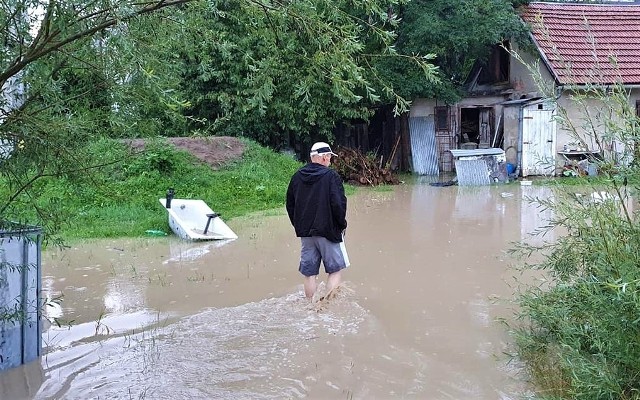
(534, 218)
(160, 318)
(181, 250)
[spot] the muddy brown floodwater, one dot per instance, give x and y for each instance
(161, 318)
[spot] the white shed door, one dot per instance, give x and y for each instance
(538, 140)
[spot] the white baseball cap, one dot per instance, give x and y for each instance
(321, 148)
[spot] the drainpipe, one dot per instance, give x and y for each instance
(519, 142)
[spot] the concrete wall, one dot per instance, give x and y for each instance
(582, 118)
(522, 80)
(425, 107)
(422, 107)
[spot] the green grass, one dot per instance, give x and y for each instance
(121, 199)
(256, 182)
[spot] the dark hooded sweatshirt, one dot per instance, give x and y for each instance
(316, 203)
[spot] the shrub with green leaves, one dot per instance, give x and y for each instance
(578, 327)
(580, 334)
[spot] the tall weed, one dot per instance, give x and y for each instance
(580, 332)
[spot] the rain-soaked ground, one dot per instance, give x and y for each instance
(161, 318)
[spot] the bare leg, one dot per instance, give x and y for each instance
(310, 286)
(333, 280)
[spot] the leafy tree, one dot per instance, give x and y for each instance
(74, 71)
(64, 69)
(459, 33)
(269, 70)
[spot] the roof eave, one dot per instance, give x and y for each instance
(583, 86)
(545, 60)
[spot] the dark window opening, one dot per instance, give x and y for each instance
(469, 125)
(496, 69)
(477, 126)
(442, 118)
(638, 108)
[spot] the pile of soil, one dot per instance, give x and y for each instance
(213, 150)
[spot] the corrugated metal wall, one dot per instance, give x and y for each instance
(20, 283)
(472, 173)
(423, 145)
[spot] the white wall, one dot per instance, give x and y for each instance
(521, 75)
(422, 107)
(589, 115)
(11, 97)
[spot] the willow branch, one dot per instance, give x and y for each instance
(48, 46)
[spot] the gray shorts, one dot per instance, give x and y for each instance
(316, 249)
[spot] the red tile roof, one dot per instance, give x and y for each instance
(595, 43)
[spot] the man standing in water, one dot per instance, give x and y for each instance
(317, 208)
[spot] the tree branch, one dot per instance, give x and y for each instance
(47, 46)
(41, 174)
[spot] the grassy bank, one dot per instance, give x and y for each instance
(257, 181)
(121, 198)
